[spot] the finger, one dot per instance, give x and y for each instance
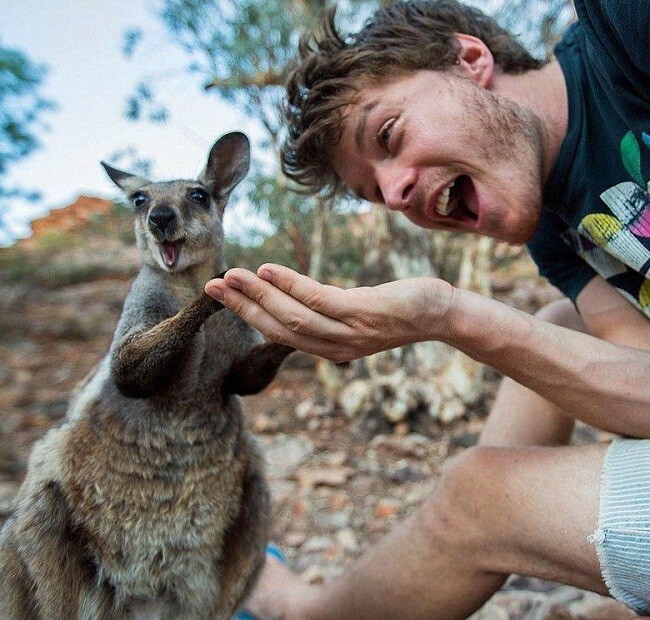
(255, 314)
(294, 316)
(329, 300)
(291, 312)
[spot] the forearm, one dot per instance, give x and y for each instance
(142, 363)
(603, 384)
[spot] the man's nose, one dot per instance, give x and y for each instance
(397, 187)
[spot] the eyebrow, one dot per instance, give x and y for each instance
(360, 130)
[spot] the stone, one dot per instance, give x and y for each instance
(411, 445)
(347, 539)
(402, 429)
(300, 507)
(338, 500)
(284, 454)
(354, 397)
(264, 423)
(386, 507)
(282, 490)
(464, 440)
(294, 539)
(317, 544)
(305, 409)
(407, 473)
(313, 575)
(331, 521)
(328, 476)
(451, 410)
(336, 459)
(394, 410)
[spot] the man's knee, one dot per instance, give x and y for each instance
(460, 514)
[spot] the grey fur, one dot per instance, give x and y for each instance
(150, 501)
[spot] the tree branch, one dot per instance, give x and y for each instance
(259, 80)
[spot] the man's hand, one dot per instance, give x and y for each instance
(331, 322)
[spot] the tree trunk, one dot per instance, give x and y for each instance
(319, 238)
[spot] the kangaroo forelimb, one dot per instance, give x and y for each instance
(252, 372)
(143, 363)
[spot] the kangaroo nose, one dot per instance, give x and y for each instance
(162, 221)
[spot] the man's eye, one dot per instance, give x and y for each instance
(139, 199)
(384, 133)
(200, 196)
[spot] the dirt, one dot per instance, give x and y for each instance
(338, 484)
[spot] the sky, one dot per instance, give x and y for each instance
(89, 79)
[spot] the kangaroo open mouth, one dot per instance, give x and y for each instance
(170, 251)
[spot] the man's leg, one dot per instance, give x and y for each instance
(431, 566)
(495, 512)
(519, 416)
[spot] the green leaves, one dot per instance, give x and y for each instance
(21, 111)
(21, 105)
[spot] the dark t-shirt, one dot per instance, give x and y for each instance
(596, 216)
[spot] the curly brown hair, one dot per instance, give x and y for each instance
(332, 69)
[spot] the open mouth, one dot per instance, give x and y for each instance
(458, 200)
(170, 252)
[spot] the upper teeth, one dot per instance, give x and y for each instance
(442, 205)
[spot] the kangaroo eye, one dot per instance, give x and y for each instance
(199, 196)
(139, 198)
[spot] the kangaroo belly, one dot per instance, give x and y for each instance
(156, 519)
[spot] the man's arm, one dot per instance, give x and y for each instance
(608, 315)
(602, 383)
(601, 379)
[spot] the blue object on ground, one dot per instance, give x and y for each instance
(271, 549)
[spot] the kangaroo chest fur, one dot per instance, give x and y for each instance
(151, 500)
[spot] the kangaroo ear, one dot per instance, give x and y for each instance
(126, 181)
(228, 163)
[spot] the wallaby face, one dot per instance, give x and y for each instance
(178, 224)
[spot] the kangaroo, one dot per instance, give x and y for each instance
(149, 501)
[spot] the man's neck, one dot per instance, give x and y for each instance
(544, 92)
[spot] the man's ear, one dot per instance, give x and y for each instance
(475, 60)
(126, 181)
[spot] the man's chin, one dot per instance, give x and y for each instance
(519, 232)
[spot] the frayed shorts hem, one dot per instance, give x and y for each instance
(622, 539)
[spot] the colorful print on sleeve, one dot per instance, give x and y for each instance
(617, 244)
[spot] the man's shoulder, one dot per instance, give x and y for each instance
(617, 34)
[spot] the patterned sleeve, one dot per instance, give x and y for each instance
(556, 260)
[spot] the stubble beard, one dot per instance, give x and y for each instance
(514, 145)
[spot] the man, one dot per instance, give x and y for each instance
(435, 111)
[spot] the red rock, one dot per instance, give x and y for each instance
(386, 508)
(70, 217)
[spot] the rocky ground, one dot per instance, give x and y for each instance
(337, 487)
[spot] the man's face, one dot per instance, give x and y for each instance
(446, 152)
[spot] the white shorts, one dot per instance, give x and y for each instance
(622, 539)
